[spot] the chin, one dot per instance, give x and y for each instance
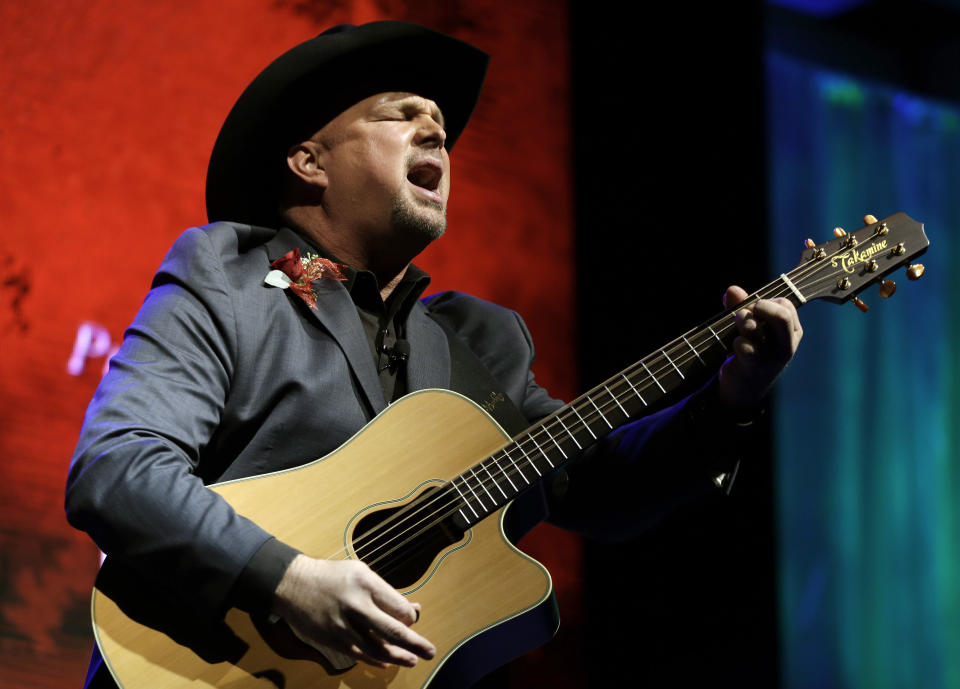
(428, 222)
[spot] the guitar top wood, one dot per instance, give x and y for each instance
(471, 586)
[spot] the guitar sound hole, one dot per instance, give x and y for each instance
(400, 543)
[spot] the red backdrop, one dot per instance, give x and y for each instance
(108, 111)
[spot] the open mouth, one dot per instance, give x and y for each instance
(426, 174)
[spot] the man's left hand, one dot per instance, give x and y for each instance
(768, 335)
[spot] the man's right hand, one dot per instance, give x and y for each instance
(345, 606)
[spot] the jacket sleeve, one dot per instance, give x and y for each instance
(133, 483)
(641, 472)
(627, 481)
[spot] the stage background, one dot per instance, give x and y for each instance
(866, 443)
(711, 139)
(108, 113)
(867, 449)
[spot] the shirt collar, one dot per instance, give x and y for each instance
(410, 288)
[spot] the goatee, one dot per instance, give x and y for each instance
(427, 224)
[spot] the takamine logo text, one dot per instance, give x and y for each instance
(850, 259)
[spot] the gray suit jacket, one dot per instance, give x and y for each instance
(221, 377)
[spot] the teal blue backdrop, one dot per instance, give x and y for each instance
(868, 467)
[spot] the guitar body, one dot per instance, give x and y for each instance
(484, 602)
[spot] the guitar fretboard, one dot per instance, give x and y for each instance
(552, 442)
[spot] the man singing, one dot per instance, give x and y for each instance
(271, 336)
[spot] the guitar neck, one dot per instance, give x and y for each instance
(634, 392)
(835, 271)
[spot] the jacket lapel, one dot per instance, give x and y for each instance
(337, 315)
(429, 362)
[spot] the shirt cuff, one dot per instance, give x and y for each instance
(258, 581)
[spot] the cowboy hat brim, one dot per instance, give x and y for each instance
(309, 85)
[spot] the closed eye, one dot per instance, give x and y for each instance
(408, 109)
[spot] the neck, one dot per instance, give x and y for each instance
(387, 260)
(387, 287)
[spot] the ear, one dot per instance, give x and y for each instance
(305, 160)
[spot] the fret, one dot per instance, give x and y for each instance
(617, 401)
(589, 430)
(475, 496)
(632, 387)
(716, 336)
(545, 455)
(506, 476)
(529, 461)
(572, 436)
(465, 501)
(653, 376)
(493, 480)
(549, 435)
(517, 466)
(590, 399)
(694, 350)
(707, 342)
(682, 377)
(484, 487)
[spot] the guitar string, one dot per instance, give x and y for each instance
(530, 435)
(609, 407)
(436, 517)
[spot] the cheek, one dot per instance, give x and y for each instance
(379, 160)
(445, 184)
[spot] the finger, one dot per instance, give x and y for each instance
(746, 323)
(744, 347)
(733, 296)
(776, 311)
(797, 328)
(340, 643)
(780, 322)
(393, 603)
(358, 640)
(375, 651)
(395, 633)
(355, 651)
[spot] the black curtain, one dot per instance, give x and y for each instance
(670, 209)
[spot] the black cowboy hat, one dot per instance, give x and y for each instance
(328, 74)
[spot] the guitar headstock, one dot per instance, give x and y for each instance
(840, 269)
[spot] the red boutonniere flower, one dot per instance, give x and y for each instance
(299, 273)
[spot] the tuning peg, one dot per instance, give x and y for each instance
(858, 302)
(869, 219)
(809, 243)
(839, 232)
(915, 271)
(887, 288)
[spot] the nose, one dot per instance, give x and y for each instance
(430, 134)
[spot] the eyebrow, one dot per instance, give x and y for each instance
(421, 103)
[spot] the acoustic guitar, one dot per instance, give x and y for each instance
(431, 520)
